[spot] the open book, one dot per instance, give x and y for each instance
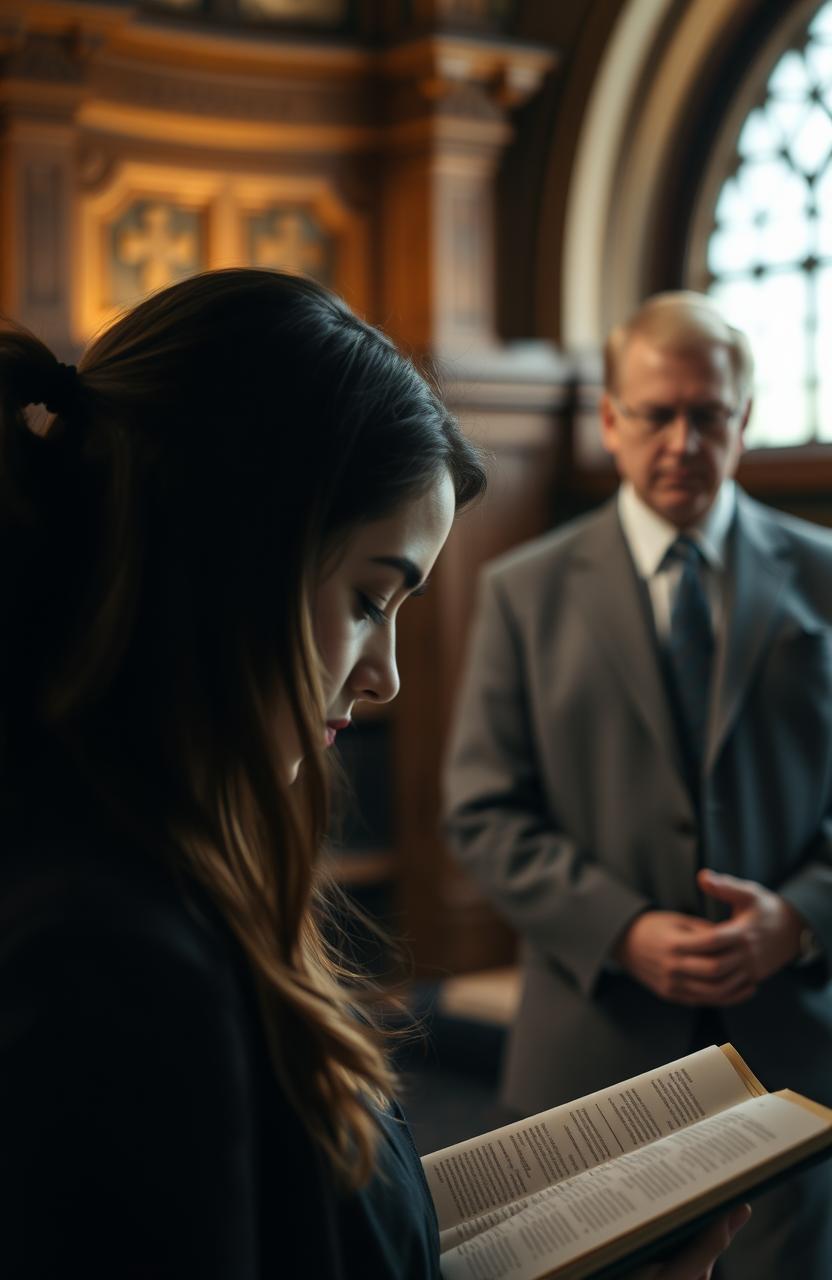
(571, 1191)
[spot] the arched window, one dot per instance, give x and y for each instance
(769, 254)
(703, 161)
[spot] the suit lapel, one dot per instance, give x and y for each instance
(609, 594)
(759, 569)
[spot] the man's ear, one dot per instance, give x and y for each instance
(608, 418)
(737, 446)
(746, 414)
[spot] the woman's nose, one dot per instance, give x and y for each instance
(376, 677)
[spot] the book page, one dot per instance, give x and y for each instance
(581, 1214)
(498, 1168)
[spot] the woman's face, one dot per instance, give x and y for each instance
(357, 601)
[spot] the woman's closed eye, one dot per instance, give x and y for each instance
(370, 610)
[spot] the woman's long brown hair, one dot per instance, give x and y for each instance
(158, 546)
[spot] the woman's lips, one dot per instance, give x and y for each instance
(333, 728)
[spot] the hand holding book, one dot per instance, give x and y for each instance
(695, 1261)
(597, 1185)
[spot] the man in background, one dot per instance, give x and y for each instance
(640, 776)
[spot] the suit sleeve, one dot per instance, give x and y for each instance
(127, 1144)
(808, 887)
(805, 673)
(809, 891)
(499, 822)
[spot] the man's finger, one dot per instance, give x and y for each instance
(712, 967)
(691, 924)
(720, 937)
(729, 889)
(733, 990)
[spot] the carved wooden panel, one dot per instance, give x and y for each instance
(466, 269)
(152, 244)
(303, 222)
(45, 206)
(290, 238)
(143, 226)
(36, 206)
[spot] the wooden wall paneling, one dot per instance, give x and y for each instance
(141, 149)
(521, 422)
(194, 106)
(437, 243)
(40, 91)
(267, 140)
(145, 227)
(402, 18)
(447, 100)
(37, 272)
(297, 221)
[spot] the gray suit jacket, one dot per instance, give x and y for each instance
(567, 798)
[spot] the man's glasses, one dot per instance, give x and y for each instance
(709, 421)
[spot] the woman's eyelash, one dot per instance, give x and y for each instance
(370, 610)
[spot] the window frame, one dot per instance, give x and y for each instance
(766, 469)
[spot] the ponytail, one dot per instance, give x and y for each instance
(29, 375)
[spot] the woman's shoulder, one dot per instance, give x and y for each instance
(127, 1054)
(77, 902)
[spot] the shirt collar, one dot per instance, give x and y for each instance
(649, 535)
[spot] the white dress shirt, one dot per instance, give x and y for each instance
(649, 537)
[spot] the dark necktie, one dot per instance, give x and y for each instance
(691, 647)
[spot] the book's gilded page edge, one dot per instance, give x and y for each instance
(752, 1084)
(816, 1108)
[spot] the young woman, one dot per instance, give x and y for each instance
(202, 561)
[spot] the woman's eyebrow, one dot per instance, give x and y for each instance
(411, 573)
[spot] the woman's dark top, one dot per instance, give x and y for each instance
(143, 1133)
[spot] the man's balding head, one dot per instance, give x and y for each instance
(685, 323)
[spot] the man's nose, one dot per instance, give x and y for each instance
(681, 436)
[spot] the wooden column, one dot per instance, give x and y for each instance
(40, 92)
(448, 99)
(449, 102)
(517, 406)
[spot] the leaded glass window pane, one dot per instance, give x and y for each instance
(770, 252)
(823, 352)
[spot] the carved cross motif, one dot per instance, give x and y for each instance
(289, 246)
(156, 249)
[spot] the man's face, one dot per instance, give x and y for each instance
(675, 426)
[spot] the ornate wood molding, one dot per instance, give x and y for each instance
(449, 124)
(234, 219)
(430, 117)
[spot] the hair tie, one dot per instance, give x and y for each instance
(60, 391)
